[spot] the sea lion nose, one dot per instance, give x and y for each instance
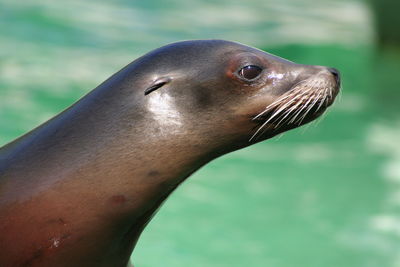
(336, 74)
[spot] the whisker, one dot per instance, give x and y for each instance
(303, 108)
(292, 92)
(258, 130)
(286, 115)
(282, 108)
(321, 102)
(272, 105)
(293, 107)
(285, 109)
(300, 120)
(296, 94)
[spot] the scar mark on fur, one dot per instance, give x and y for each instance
(40, 252)
(56, 241)
(37, 255)
(153, 173)
(59, 221)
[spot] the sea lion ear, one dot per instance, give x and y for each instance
(159, 82)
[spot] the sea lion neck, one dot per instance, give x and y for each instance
(90, 171)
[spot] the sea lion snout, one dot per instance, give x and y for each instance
(312, 90)
(331, 73)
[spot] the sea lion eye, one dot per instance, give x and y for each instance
(250, 72)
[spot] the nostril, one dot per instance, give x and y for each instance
(335, 73)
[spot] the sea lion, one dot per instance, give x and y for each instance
(79, 189)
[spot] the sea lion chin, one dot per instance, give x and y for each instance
(79, 189)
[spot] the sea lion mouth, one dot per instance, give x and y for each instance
(304, 102)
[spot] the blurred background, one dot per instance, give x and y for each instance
(327, 194)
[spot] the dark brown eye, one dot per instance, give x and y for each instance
(250, 72)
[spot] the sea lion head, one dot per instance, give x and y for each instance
(221, 91)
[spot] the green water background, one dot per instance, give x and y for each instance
(327, 194)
